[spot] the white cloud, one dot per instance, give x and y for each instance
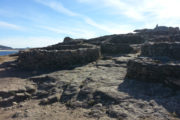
(7, 25)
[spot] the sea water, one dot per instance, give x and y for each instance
(2, 53)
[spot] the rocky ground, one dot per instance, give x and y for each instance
(98, 90)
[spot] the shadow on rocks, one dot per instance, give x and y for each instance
(161, 94)
(11, 69)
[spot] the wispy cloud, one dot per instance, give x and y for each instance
(110, 28)
(141, 10)
(57, 6)
(118, 7)
(72, 32)
(7, 25)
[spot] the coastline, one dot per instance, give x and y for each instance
(9, 50)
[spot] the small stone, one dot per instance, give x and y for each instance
(99, 105)
(14, 103)
(17, 115)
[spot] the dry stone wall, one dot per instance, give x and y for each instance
(121, 44)
(159, 61)
(147, 69)
(57, 59)
(170, 50)
(110, 48)
(77, 51)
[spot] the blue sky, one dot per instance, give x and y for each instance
(37, 23)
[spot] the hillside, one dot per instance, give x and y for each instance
(5, 47)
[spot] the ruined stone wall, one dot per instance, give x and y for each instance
(151, 70)
(121, 44)
(67, 47)
(127, 39)
(111, 48)
(171, 50)
(159, 62)
(57, 59)
(165, 38)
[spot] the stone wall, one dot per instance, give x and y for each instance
(127, 39)
(121, 44)
(77, 51)
(120, 39)
(159, 30)
(158, 62)
(68, 40)
(165, 38)
(67, 46)
(170, 50)
(151, 70)
(57, 59)
(110, 48)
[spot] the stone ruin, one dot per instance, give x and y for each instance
(159, 30)
(170, 50)
(58, 56)
(117, 86)
(73, 52)
(121, 44)
(159, 61)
